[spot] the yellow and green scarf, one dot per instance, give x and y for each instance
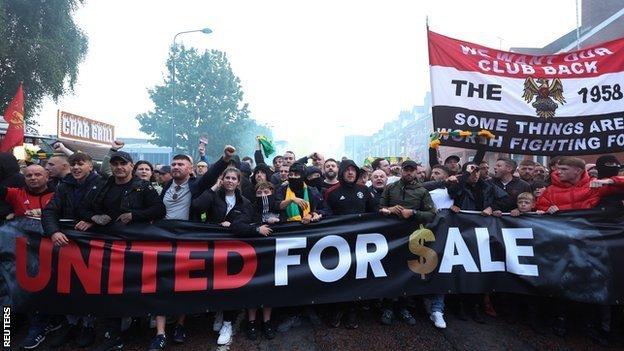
(293, 212)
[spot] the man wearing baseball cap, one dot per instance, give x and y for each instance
(124, 198)
(164, 174)
(409, 200)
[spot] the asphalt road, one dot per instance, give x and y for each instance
(495, 334)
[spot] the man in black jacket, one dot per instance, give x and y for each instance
(123, 198)
(80, 185)
(77, 187)
(504, 169)
(344, 198)
(474, 194)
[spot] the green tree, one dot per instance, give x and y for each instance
(208, 101)
(41, 46)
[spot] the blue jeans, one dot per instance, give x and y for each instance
(435, 302)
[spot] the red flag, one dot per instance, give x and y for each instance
(14, 116)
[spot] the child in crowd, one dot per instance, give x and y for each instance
(538, 188)
(266, 210)
(526, 202)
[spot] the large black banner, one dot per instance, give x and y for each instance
(183, 267)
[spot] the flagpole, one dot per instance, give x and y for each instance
(578, 29)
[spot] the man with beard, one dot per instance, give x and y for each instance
(421, 173)
(526, 169)
(79, 186)
(437, 187)
(378, 185)
(330, 170)
(176, 196)
(513, 186)
(344, 198)
(406, 199)
(539, 173)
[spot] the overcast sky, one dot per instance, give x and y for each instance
(314, 70)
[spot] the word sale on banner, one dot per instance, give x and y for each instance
(569, 103)
(176, 267)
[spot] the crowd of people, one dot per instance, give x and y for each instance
(250, 196)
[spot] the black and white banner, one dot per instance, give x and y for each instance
(570, 103)
(181, 267)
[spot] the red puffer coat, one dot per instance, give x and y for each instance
(577, 196)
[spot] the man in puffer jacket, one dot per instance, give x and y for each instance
(572, 189)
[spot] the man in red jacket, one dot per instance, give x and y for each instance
(572, 189)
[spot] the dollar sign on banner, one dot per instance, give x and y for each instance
(428, 259)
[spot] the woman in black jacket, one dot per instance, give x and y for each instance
(223, 207)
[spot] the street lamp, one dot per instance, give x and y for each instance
(173, 89)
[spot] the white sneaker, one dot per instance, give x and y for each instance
(218, 321)
(225, 334)
(438, 320)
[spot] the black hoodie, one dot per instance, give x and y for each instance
(349, 198)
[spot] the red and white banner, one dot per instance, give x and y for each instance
(570, 103)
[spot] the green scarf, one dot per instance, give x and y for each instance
(293, 213)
